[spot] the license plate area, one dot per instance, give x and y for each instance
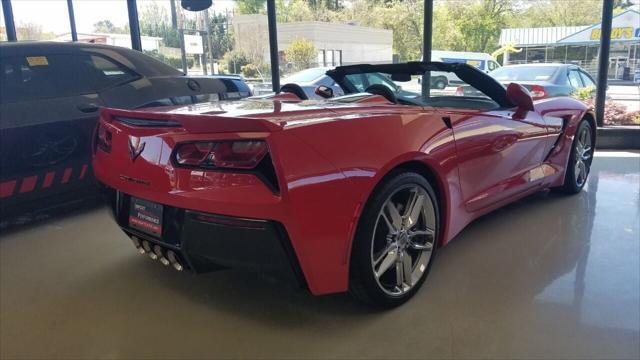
(146, 216)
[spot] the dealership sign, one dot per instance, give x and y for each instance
(625, 27)
(193, 44)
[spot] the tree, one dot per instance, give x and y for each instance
(302, 53)
(233, 61)
(105, 26)
(545, 13)
(31, 31)
(251, 6)
(220, 34)
(404, 18)
(154, 21)
(480, 23)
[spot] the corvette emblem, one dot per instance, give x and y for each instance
(135, 147)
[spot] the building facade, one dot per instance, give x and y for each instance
(336, 44)
(579, 45)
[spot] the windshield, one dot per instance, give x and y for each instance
(524, 73)
(307, 75)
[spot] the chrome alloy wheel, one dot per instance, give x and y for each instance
(403, 239)
(583, 153)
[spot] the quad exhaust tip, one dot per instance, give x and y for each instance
(173, 259)
(157, 253)
(138, 245)
(147, 248)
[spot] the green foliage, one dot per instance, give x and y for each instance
(221, 38)
(251, 6)
(479, 24)
(545, 13)
(585, 93)
(171, 61)
(250, 71)
(302, 53)
(106, 26)
(155, 21)
(233, 61)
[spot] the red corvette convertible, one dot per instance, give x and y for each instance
(352, 193)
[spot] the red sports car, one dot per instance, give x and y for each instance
(354, 192)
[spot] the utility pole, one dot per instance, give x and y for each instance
(207, 25)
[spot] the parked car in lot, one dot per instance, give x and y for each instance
(481, 61)
(50, 94)
(310, 79)
(545, 80)
(354, 193)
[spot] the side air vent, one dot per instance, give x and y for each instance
(148, 122)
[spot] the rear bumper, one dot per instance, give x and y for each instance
(206, 242)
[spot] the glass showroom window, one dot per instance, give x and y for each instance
(206, 36)
(102, 22)
(41, 19)
(250, 51)
(160, 39)
(3, 28)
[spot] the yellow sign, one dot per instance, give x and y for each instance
(37, 61)
(616, 33)
(475, 63)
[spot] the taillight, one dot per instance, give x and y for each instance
(459, 91)
(103, 141)
(538, 92)
(240, 154)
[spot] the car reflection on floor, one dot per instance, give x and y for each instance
(549, 276)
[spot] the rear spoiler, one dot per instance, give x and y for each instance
(194, 123)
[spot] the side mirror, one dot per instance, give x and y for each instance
(196, 5)
(520, 97)
(324, 92)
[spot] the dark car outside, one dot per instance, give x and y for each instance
(50, 94)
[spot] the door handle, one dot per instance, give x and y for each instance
(88, 108)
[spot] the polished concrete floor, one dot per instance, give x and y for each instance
(548, 277)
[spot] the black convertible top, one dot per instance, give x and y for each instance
(467, 73)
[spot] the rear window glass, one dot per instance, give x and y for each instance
(24, 78)
(524, 73)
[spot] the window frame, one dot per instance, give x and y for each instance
(583, 75)
(579, 78)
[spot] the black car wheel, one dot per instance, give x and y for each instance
(395, 242)
(440, 84)
(580, 159)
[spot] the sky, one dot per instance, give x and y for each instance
(52, 14)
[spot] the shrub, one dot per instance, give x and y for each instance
(233, 61)
(302, 53)
(585, 93)
(617, 114)
(250, 71)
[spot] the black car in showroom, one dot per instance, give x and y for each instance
(50, 94)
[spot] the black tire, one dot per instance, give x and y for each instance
(363, 283)
(440, 83)
(574, 181)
